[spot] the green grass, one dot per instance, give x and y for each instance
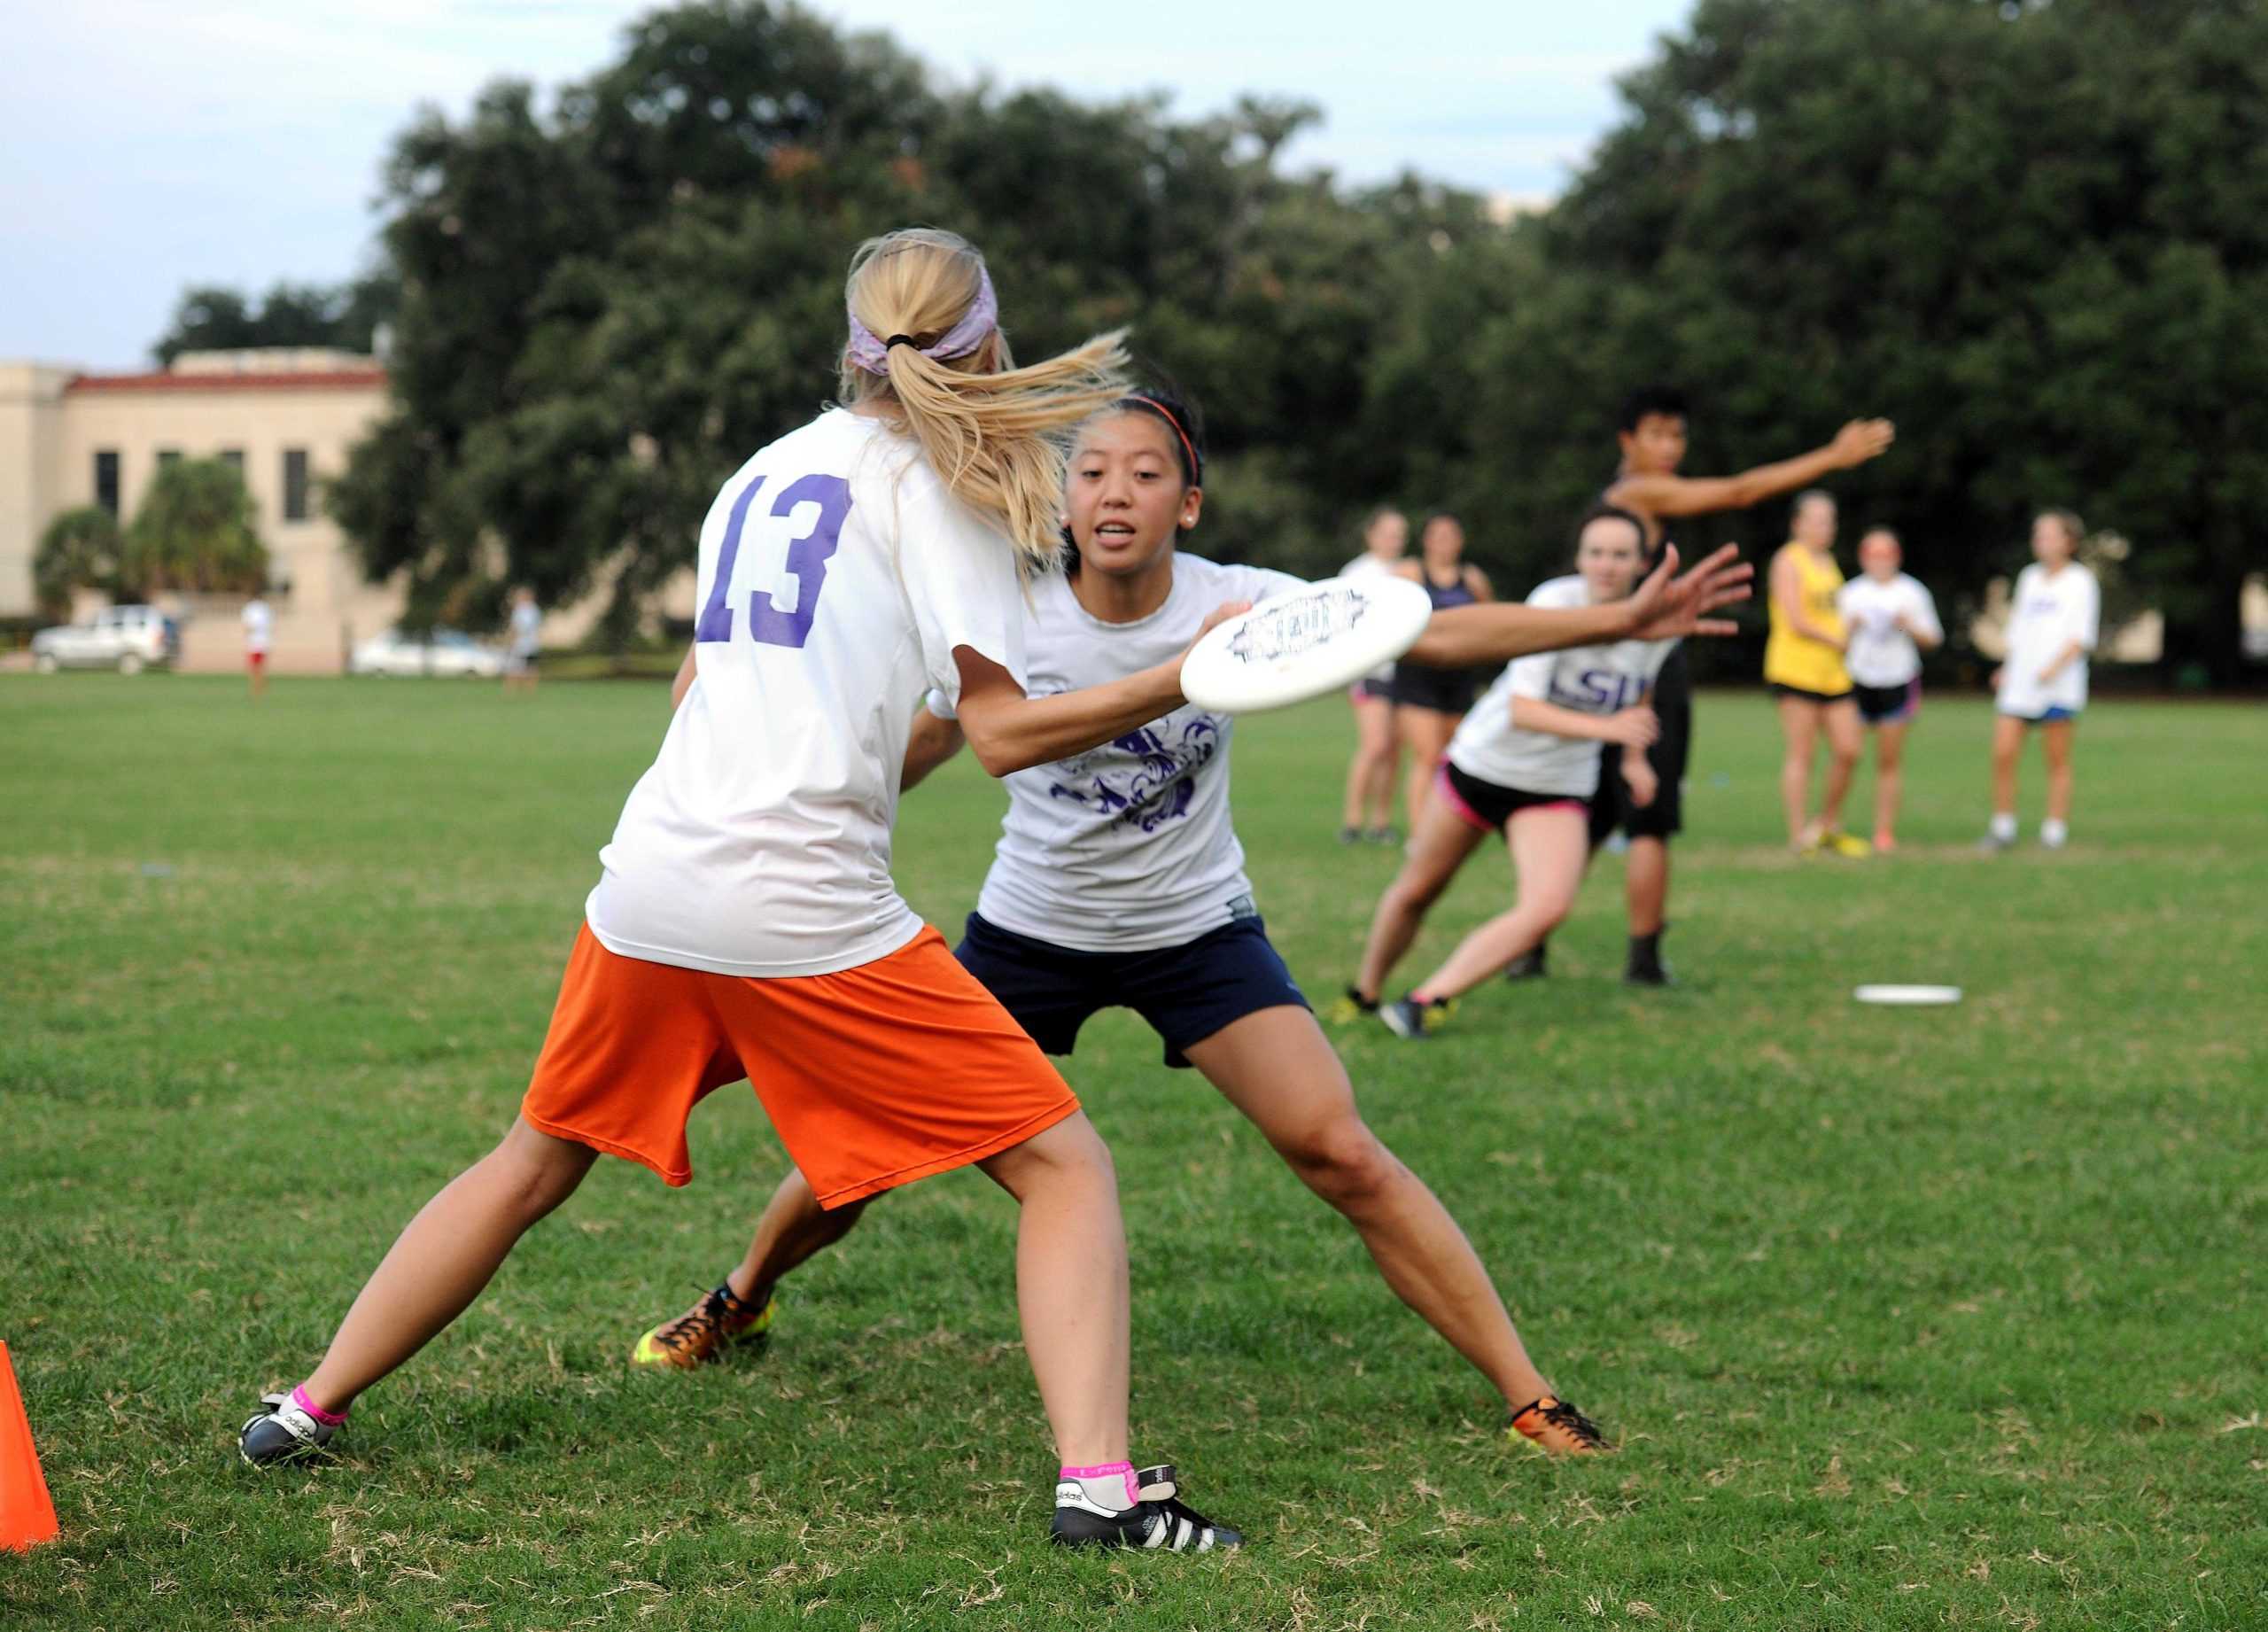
(1948, 1317)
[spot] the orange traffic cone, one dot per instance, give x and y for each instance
(26, 1515)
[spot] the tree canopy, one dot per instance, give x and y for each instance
(2035, 235)
(209, 317)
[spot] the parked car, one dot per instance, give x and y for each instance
(444, 651)
(129, 639)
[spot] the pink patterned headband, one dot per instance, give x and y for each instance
(870, 353)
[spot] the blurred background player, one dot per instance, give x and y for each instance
(2055, 617)
(1525, 764)
(1430, 699)
(1119, 880)
(1369, 811)
(1803, 664)
(1890, 621)
(1652, 435)
(745, 924)
(258, 621)
(526, 645)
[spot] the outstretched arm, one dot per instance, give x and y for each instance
(1700, 495)
(1009, 731)
(1664, 608)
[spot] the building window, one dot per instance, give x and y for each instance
(295, 483)
(168, 456)
(234, 458)
(107, 478)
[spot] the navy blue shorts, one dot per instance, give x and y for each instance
(1187, 992)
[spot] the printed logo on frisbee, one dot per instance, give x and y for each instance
(1284, 629)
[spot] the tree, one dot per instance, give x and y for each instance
(2036, 235)
(193, 532)
(347, 316)
(79, 549)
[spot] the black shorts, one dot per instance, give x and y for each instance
(1611, 807)
(1187, 992)
(1796, 692)
(1488, 806)
(1370, 688)
(1445, 691)
(1889, 705)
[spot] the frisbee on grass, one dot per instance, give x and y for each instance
(1908, 994)
(1299, 645)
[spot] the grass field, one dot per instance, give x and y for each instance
(1951, 1318)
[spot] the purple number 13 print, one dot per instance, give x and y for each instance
(807, 558)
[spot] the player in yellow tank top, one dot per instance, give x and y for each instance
(1803, 662)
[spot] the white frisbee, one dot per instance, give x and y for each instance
(1908, 994)
(1299, 645)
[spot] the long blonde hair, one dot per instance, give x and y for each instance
(998, 436)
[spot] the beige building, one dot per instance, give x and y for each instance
(285, 419)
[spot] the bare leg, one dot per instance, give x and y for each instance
(1276, 1067)
(1549, 845)
(793, 1227)
(1428, 732)
(2007, 744)
(2055, 738)
(1373, 754)
(440, 1263)
(1890, 776)
(1071, 1284)
(1645, 884)
(1846, 739)
(1799, 726)
(1438, 847)
(1388, 775)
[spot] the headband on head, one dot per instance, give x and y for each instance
(870, 353)
(1196, 464)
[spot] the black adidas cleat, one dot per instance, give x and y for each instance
(1159, 1522)
(280, 1432)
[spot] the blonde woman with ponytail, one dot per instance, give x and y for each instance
(745, 923)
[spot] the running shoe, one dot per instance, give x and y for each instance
(1387, 834)
(1350, 836)
(280, 1432)
(1885, 843)
(1642, 971)
(1352, 1006)
(1414, 1021)
(1559, 1427)
(1850, 846)
(720, 1322)
(1528, 966)
(1992, 843)
(1159, 1521)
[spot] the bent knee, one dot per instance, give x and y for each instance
(1343, 1161)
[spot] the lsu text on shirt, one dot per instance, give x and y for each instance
(1589, 679)
(1127, 847)
(2049, 611)
(1883, 655)
(837, 576)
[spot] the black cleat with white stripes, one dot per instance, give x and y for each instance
(1159, 1522)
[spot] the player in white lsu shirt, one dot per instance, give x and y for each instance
(2053, 620)
(1526, 762)
(1890, 620)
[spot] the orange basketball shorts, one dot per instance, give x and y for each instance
(873, 1076)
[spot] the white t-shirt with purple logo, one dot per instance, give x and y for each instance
(1882, 654)
(1589, 679)
(837, 576)
(1128, 847)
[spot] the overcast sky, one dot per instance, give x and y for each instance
(149, 146)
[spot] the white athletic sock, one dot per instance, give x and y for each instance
(2052, 834)
(2004, 825)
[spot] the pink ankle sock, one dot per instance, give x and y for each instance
(305, 1401)
(1108, 1470)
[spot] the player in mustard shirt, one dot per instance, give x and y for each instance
(1803, 664)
